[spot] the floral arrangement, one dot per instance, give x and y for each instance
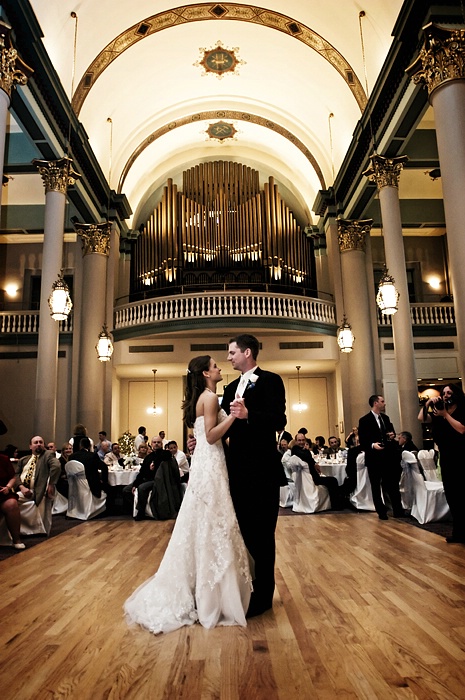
(130, 461)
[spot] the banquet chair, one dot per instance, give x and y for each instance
(148, 509)
(362, 497)
(286, 493)
(429, 502)
(60, 504)
(308, 497)
(35, 520)
(82, 504)
(428, 464)
(406, 485)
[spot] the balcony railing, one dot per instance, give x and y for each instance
(425, 315)
(225, 305)
(28, 322)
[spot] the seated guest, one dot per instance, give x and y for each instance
(114, 457)
(102, 437)
(53, 448)
(320, 442)
(62, 483)
(140, 439)
(334, 446)
(37, 474)
(283, 446)
(353, 440)
(181, 459)
(144, 480)
(405, 440)
(96, 470)
(335, 494)
(142, 453)
(9, 507)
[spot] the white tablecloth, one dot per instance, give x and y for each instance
(337, 469)
(122, 477)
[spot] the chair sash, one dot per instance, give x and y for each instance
(73, 480)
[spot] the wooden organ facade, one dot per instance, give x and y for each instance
(221, 231)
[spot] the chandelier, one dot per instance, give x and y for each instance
(345, 337)
(59, 300)
(299, 407)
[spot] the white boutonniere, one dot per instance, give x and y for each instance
(252, 379)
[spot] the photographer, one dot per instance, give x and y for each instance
(446, 413)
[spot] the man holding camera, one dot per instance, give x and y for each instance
(377, 440)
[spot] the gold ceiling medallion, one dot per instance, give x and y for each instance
(219, 60)
(221, 131)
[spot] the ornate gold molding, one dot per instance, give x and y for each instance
(13, 70)
(220, 114)
(385, 172)
(442, 58)
(219, 12)
(95, 238)
(57, 175)
(351, 234)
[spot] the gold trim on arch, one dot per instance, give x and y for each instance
(216, 11)
(220, 114)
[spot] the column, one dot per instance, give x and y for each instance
(12, 71)
(91, 381)
(441, 67)
(385, 172)
(56, 176)
(360, 362)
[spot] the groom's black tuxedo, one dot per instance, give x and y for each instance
(256, 473)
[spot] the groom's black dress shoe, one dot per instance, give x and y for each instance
(256, 609)
(383, 516)
(452, 540)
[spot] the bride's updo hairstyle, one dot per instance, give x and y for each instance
(195, 386)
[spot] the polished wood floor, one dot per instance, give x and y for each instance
(363, 609)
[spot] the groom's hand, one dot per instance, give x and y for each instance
(238, 409)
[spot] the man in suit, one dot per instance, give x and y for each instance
(377, 440)
(37, 473)
(96, 470)
(257, 399)
(301, 450)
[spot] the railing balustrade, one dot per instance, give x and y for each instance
(425, 315)
(28, 322)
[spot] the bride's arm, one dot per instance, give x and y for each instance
(214, 430)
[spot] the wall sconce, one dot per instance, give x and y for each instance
(299, 407)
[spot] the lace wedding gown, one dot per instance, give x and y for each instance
(204, 575)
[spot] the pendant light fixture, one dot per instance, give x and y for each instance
(388, 296)
(59, 300)
(154, 410)
(104, 345)
(345, 337)
(299, 407)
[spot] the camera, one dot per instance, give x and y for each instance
(439, 404)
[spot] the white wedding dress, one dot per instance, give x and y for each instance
(204, 575)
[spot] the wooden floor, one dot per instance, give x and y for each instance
(363, 609)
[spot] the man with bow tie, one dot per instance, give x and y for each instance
(257, 399)
(377, 434)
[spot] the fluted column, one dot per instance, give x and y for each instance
(441, 67)
(91, 385)
(13, 71)
(57, 175)
(385, 172)
(361, 365)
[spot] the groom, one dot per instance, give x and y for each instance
(257, 399)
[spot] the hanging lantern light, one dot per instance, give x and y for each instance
(59, 300)
(104, 345)
(345, 337)
(299, 407)
(388, 296)
(154, 410)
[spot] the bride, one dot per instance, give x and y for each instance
(204, 575)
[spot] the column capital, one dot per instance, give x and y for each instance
(13, 70)
(351, 234)
(95, 238)
(385, 172)
(442, 58)
(57, 175)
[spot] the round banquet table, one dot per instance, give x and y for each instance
(330, 468)
(122, 477)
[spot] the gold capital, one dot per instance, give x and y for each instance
(13, 70)
(351, 234)
(385, 171)
(441, 59)
(57, 175)
(95, 238)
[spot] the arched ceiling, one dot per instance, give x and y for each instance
(302, 62)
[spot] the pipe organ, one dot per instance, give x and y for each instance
(221, 230)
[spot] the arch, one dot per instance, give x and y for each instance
(216, 11)
(219, 114)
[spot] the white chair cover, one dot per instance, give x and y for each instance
(429, 504)
(60, 504)
(428, 464)
(406, 486)
(148, 510)
(286, 493)
(35, 520)
(308, 497)
(362, 497)
(82, 504)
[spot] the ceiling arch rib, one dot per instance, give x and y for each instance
(221, 12)
(220, 114)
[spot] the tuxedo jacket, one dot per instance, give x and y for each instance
(48, 470)
(252, 456)
(370, 432)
